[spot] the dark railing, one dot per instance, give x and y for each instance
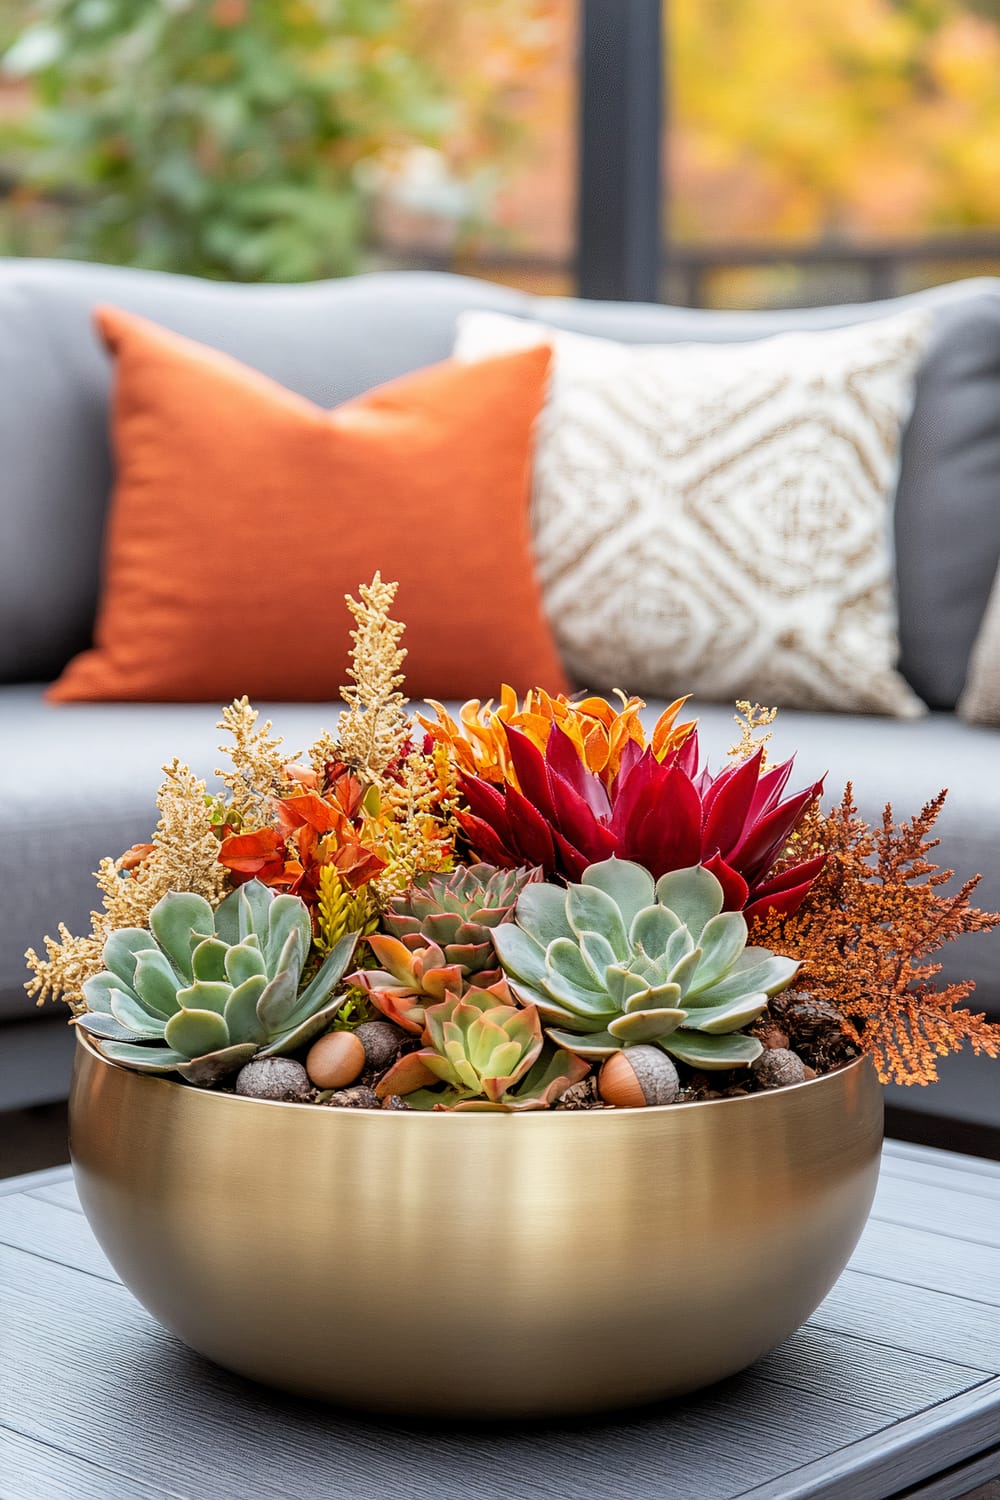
(684, 274)
(883, 270)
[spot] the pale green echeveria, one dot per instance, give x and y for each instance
(620, 960)
(203, 991)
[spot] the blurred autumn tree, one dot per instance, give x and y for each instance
(234, 138)
(805, 119)
(266, 139)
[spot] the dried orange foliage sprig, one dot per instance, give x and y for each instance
(478, 743)
(873, 916)
(183, 856)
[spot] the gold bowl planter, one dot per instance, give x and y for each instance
(476, 1265)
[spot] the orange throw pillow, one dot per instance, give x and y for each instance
(243, 514)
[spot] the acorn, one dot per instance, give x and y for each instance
(638, 1076)
(778, 1068)
(335, 1060)
(280, 1078)
(381, 1041)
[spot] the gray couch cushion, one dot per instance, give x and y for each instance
(332, 340)
(77, 783)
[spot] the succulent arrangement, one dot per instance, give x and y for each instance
(534, 906)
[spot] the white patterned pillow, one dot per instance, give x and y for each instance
(717, 519)
(980, 700)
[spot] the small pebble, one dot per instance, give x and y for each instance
(773, 1037)
(777, 1068)
(359, 1098)
(280, 1078)
(394, 1102)
(381, 1041)
(335, 1060)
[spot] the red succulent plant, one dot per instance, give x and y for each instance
(665, 815)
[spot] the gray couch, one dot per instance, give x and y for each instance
(77, 782)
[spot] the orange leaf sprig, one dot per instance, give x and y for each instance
(874, 914)
(600, 731)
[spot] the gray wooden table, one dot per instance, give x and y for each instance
(892, 1389)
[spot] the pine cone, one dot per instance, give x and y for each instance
(359, 1097)
(581, 1095)
(818, 1031)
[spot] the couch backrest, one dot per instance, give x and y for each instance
(331, 340)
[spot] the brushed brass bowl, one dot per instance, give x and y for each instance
(476, 1265)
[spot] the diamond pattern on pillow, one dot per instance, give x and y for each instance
(717, 519)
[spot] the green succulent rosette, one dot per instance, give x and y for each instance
(201, 992)
(621, 959)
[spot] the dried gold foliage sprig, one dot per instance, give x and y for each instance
(183, 856)
(416, 824)
(752, 722)
(257, 773)
(369, 789)
(374, 727)
(68, 963)
(876, 910)
(324, 752)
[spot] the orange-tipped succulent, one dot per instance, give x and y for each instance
(410, 980)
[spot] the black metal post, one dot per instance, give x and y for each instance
(621, 122)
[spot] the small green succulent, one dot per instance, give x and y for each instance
(456, 911)
(620, 960)
(492, 1055)
(202, 992)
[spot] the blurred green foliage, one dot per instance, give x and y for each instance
(221, 138)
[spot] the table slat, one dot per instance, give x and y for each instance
(63, 1193)
(47, 1230)
(30, 1470)
(955, 1161)
(919, 1257)
(896, 1316)
(926, 1445)
(934, 1174)
(849, 1368)
(948, 1211)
